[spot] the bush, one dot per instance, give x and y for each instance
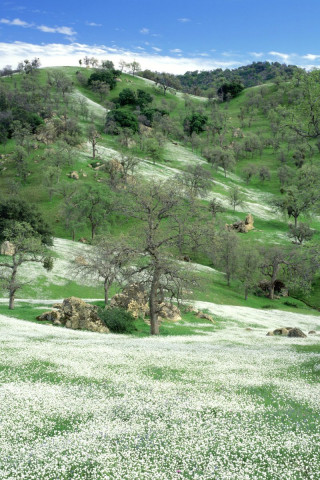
(118, 320)
(122, 118)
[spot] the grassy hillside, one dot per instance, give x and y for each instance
(177, 153)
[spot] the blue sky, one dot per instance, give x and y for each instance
(162, 35)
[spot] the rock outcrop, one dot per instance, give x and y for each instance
(242, 226)
(287, 332)
(76, 314)
(168, 311)
(74, 175)
(134, 299)
(7, 248)
(205, 316)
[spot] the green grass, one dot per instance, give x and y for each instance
(266, 231)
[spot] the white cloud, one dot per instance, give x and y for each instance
(256, 54)
(43, 28)
(93, 24)
(55, 54)
(311, 56)
(63, 30)
(156, 49)
(16, 22)
(284, 56)
(184, 20)
(176, 50)
(144, 31)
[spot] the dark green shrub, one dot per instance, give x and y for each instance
(122, 118)
(105, 76)
(118, 320)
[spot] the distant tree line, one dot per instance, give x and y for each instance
(204, 82)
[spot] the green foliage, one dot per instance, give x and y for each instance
(118, 320)
(250, 75)
(195, 123)
(143, 98)
(121, 118)
(230, 90)
(20, 211)
(127, 97)
(107, 76)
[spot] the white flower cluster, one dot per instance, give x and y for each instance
(80, 405)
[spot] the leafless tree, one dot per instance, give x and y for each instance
(156, 205)
(27, 248)
(107, 260)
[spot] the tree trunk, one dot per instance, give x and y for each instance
(153, 305)
(273, 280)
(13, 288)
(246, 289)
(93, 230)
(271, 290)
(11, 301)
(106, 296)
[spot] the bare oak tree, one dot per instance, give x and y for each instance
(27, 247)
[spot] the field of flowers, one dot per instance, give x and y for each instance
(228, 405)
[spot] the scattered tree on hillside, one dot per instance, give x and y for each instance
(226, 253)
(306, 116)
(129, 164)
(107, 77)
(302, 196)
(107, 65)
(93, 137)
(264, 173)
(101, 88)
(156, 206)
(123, 65)
(235, 196)
(297, 266)
(50, 179)
(226, 161)
(166, 81)
(20, 162)
(248, 172)
(230, 90)
(195, 123)
(20, 211)
(107, 261)
(215, 207)
(248, 269)
(195, 180)
(29, 67)
(301, 233)
(61, 82)
(94, 204)
(121, 118)
(27, 248)
(134, 67)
